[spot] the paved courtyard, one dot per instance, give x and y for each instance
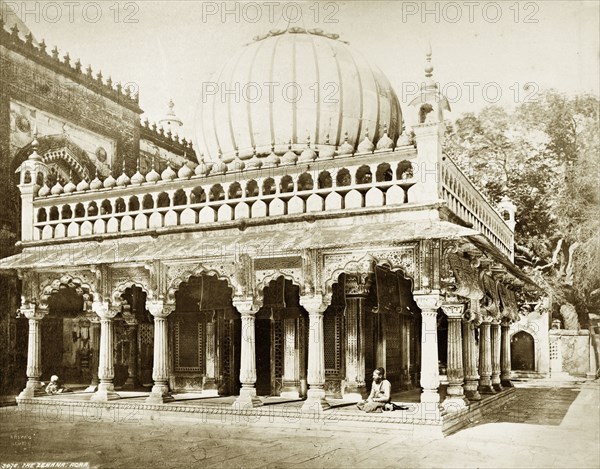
(544, 426)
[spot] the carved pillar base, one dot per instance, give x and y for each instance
(315, 400)
(159, 394)
(247, 397)
(33, 388)
(106, 392)
(507, 383)
(472, 391)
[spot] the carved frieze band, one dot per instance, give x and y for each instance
(403, 258)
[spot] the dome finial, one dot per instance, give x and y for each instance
(429, 68)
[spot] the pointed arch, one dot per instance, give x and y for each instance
(197, 271)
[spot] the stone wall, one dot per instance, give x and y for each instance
(536, 324)
(570, 352)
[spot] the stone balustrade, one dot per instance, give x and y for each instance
(466, 201)
(169, 200)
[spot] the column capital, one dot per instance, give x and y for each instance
(506, 322)
(453, 310)
(103, 309)
(159, 309)
(315, 304)
(429, 301)
(33, 311)
(246, 305)
(486, 320)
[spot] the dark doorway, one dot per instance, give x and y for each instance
(522, 352)
(263, 357)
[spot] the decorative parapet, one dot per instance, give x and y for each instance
(167, 140)
(174, 199)
(470, 205)
(38, 53)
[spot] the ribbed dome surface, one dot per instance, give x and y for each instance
(295, 85)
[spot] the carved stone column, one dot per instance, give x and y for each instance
(380, 356)
(291, 371)
(505, 354)
(209, 386)
(132, 334)
(357, 289)
(160, 366)
(455, 397)
(495, 340)
(95, 352)
(430, 376)
(106, 364)
(405, 349)
(471, 354)
(247, 309)
(485, 357)
(34, 314)
(315, 401)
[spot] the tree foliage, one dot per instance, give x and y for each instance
(545, 155)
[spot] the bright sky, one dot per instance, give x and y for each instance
(482, 51)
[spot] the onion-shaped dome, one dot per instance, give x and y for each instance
(272, 160)
(289, 157)
(96, 183)
(123, 180)
(366, 146)
(345, 148)
(69, 187)
(255, 162)
(236, 165)
(322, 86)
(153, 175)
(56, 188)
(185, 172)
(138, 178)
(83, 185)
(326, 151)
(385, 142)
(219, 167)
(308, 155)
(202, 169)
(109, 182)
(44, 190)
(168, 174)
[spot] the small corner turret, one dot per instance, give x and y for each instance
(33, 173)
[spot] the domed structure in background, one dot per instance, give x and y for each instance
(295, 86)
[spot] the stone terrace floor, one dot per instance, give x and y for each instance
(542, 426)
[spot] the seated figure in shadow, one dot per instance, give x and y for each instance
(55, 386)
(381, 392)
